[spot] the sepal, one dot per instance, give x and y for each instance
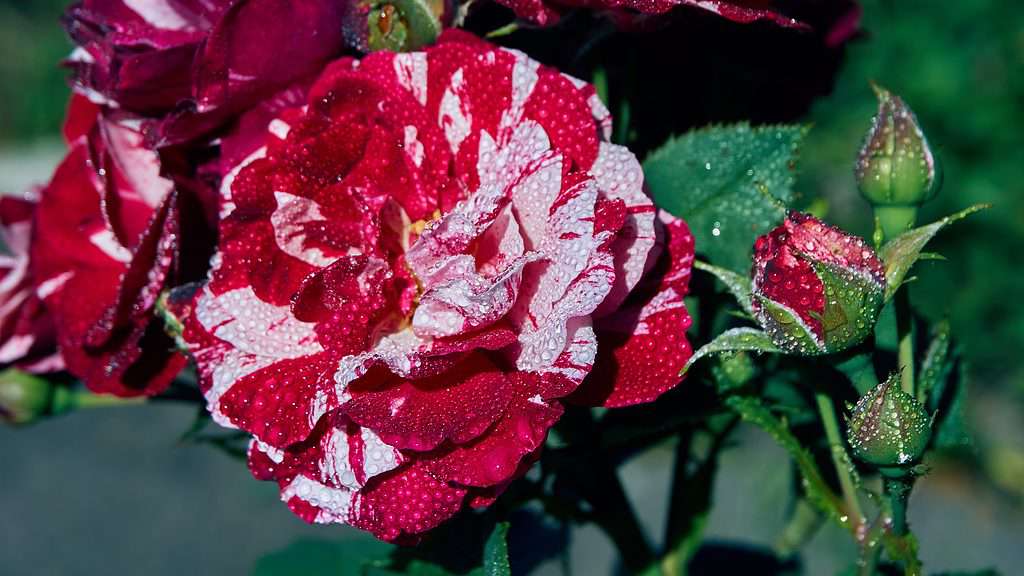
(734, 340)
(900, 253)
(738, 285)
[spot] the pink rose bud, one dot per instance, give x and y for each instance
(817, 289)
(889, 427)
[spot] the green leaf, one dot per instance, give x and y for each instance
(496, 553)
(315, 557)
(900, 253)
(734, 340)
(934, 367)
(731, 184)
(951, 429)
(737, 284)
(413, 567)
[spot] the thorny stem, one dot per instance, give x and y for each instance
(870, 551)
(673, 562)
(827, 411)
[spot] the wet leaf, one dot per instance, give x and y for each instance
(949, 404)
(734, 340)
(731, 184)
(934, 367)
(737, 284)
(816, 488)
(496, 553)
(900, 253)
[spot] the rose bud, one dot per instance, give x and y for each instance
(816, 289)
(888, 427)
(24, 398)
(398, 26)
(895, 167)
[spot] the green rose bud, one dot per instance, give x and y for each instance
(24, 398)
(889, 427)
(403, 25)
(895, 169)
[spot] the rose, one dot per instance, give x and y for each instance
(417, 269)
(106, 241)
(545, 12)
(192, 65)
(27, 338)
(816, 288)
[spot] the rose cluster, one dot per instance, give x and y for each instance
(404, 264)
(393, 270)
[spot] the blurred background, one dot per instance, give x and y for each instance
(111, 491)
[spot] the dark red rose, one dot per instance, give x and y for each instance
(545, 12)
(417, 267)
(27, 336)
(105, 243)
(192, 64)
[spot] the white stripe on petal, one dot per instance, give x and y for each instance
(253, 326)
(104, 240)
(453, 115)
(335, 504)
(289, 220)
(411, 71)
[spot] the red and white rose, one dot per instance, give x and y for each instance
(27, 334)
(105, 245)
(417, 268)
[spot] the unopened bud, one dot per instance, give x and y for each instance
(24, 398)
(889, 427)
(396, 25)
(816, 289)
(895, 166)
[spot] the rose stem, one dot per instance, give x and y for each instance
(839, 459)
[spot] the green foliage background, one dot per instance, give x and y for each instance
(32, 91)
(960, 66)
